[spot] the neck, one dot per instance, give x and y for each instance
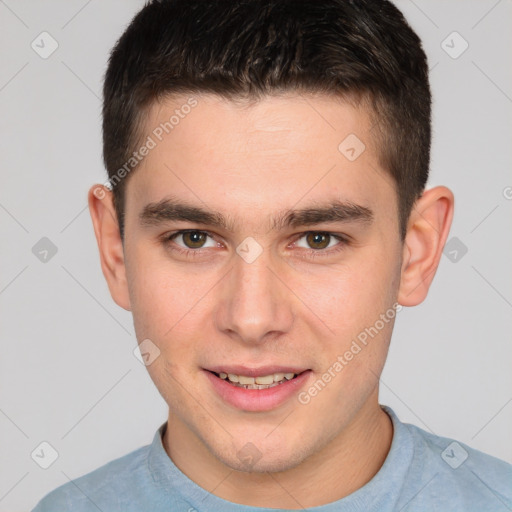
(341, 467)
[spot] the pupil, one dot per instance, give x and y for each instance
(197, 238)
(318, 238)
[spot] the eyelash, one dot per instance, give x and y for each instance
(312, 253)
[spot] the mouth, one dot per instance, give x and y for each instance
(257, 389)
(260, 382)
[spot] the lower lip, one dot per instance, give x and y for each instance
(257, 400)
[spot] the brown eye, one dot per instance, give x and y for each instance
(318, 240)
(314, 244)
(194, 239)
(190, 239)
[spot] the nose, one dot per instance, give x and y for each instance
(254, 303)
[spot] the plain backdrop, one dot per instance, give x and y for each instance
(68, 375)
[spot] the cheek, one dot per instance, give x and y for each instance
(161, 297)
(350, 298)
(355, 305)
(169, 307)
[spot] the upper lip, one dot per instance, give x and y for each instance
(255, 372)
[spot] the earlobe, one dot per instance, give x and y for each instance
(427, 231)
(106, 229)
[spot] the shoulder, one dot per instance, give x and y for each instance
(450, 472)
(106, 485)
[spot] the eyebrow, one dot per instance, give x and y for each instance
(167, 210)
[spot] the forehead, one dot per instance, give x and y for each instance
(287, 124)
(273, 152)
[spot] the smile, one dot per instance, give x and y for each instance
(261, 382)
(257, 390)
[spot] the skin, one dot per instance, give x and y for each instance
(249, 162)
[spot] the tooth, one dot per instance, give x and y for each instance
(264, 380)
(267, 379)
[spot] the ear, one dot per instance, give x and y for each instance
(110, 245)
(427, 231)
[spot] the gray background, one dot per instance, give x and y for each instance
(67, 372)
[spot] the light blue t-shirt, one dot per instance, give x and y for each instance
(422, 472)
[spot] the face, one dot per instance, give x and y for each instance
(257, 246)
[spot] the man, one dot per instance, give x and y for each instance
(264, 221)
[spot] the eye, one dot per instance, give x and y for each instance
(319, 240)
(191, 239)
(191, 242)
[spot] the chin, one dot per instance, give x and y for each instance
(262, 455)
(263, 462)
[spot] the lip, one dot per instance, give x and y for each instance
(257, 400)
